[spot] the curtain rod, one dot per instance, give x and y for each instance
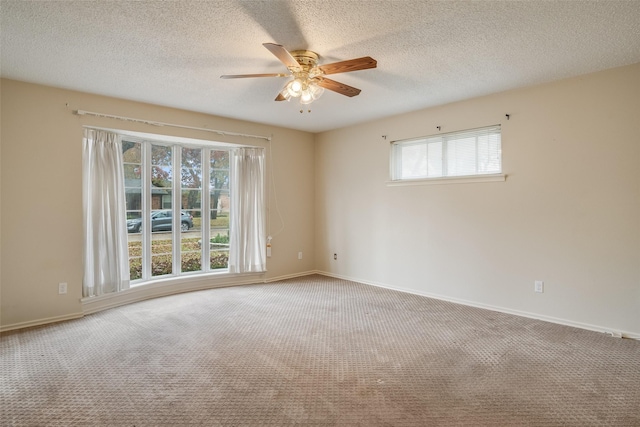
(149, 122)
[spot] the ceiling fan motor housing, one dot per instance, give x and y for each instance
(308, 61)
(306, 58)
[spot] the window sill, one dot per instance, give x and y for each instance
(448, 180)
(168, 286)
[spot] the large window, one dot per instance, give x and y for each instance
(455, 154)
(177, 208)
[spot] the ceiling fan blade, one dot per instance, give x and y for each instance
(349, 65)
(335, 86)
(280, 96)
(246, 76)
(282, 54)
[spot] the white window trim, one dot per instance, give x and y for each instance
(446, 179)
(467, 179)
(173, 142)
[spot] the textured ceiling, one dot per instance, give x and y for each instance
(429, 52)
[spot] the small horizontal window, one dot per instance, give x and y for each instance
(455, 154)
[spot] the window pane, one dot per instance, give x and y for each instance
(132, 176)
(190, 261)
(161, 265)
(161, 176)
(191, 199)
(131, 152)
(191, 216)
(160, 155)
(161, 171)
(160, 199)
(191, 171)
(461, 156)
(134, 241)
(191, 235)
(134, 216)
(219, 159)
(161, 244)
(161, 249)
(135, 257)
(219, 259)
(413, 161)
(219, 213)
(219, 231)
(434, 159)
(219, 244)
(220, 179)
(132, 158)
(220, 209)
(489, 154)
(133, 199)
(462, 153)
(191, 241)
(161, 213)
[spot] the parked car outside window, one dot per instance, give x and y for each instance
(161, 221)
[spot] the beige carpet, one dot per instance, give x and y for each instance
(314, 351)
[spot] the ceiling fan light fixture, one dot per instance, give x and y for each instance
(315, 90)
(306, 97)
(294, 87)
(302, 87)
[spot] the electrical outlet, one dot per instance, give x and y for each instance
(539, 286)
(62, 288)
(269, 239)
(335, 256)
(299, 255)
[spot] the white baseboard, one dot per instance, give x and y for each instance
(40, 322)
(290, 276)
(565, 322)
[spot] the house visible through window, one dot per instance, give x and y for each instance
(177, 208)
(455, 154)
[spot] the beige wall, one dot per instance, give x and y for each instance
(568, 213)
(41, 178)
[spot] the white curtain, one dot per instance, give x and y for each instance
(106, 264)
(247, 240)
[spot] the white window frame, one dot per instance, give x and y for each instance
(146, 236)
(444, 139)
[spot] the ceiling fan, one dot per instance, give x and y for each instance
(308, 80)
